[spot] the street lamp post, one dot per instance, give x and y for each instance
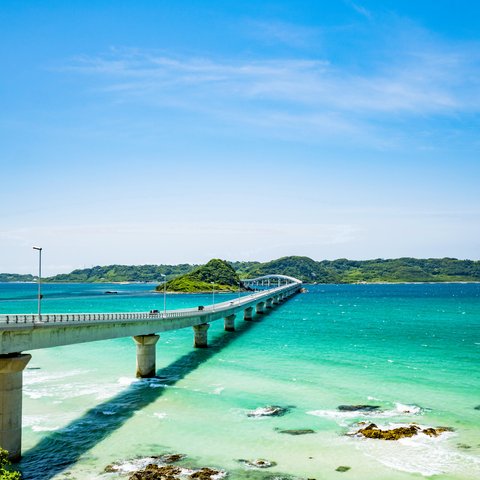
(164, 294)
(239, 286)
(213, 295)
(39, 249)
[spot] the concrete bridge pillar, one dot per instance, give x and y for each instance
(248, 314)
(260, 308)
(276, 300)
(146, 355)
(200, 339)
(11, 381)
(229, 324)
(269, 303)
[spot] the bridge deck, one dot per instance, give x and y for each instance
(21, 332)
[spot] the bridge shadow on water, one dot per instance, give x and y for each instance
(61, 449)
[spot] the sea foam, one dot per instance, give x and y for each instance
(421, 454)
(344, 418)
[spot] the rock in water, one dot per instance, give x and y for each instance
(303, 431)
(372, 431)
(170, 472)
(156, 472)
(358, 408)
(259, 463)
(171, 457)
(268, 411)
(435, 432)
(477, 407)
(205, 473)
(342, 468)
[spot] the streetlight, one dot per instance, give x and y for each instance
(239, 286)
(164, 294)
(213, 295)
(39, 249)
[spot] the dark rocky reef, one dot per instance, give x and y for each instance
(435, 432)
(358, 408)
(157, 472)
(170, 472)
(171, 457)
(205, 473)
(300, 431)
(342, 468)
(258, 463)
(164, 459)
(159, 467)
(372, 431)
(268, 411)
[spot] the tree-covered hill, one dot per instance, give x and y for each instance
(303, 268)
(326, 271)
(122, 273)
(375, 271)
(216, 271)
(16, 277)
(405, 270)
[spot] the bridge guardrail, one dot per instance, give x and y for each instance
(129, 316)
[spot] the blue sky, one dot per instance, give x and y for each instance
(166, 132)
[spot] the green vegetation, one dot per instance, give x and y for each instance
(220, 272)
(374, 271)
(5, 472)
(122, 273)
(303, 268)
(310, 271)
(16, 277)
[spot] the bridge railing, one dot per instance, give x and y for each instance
(132, 316)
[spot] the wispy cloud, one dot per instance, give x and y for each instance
(319, 96)
(426, 82)
(275, 31)
(361, 10)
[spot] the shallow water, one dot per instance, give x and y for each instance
(413, 350)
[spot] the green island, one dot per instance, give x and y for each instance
(342, 270)
(217, 274)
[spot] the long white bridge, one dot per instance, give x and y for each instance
(21, 333)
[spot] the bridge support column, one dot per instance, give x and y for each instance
(248, 314)
(200, 339)
(229, 324)
(260, 308)
(269, 303)
(11, 381)
(276, 300)
(146, 355)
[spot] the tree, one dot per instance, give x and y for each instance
(5, 472)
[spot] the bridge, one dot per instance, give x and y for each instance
(268, 281)
(21, 333)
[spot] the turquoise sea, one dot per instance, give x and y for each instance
(411, 350)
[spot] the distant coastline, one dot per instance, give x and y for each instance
(340, 271)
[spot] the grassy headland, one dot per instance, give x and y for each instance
(220, 272)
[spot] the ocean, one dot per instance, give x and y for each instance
(411, 350)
